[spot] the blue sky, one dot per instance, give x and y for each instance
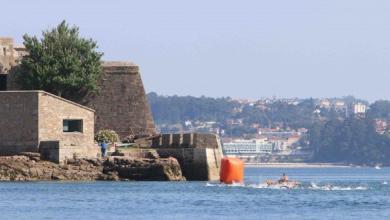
(242, 49)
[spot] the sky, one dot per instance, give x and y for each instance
(241, 49)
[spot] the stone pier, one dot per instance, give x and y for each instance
(199, 155)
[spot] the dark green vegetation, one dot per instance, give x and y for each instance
(332, 136)
(380, 109)
(353, 140)
(177, 109)
(62, 63)
(349, 141)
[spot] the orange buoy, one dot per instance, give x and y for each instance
(232, 170)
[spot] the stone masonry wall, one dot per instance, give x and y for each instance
(10, 54)
(7, 56)
(18, 122)
(52, 111)
(122, 104)
(199, 155)
(28, 118)
(56, 151)
(187, 140)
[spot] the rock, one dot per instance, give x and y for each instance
(58, 177)
(152, 155)
(129, 139)
(117, 153)
(110, 176)
(32, 155)
(144, 169)
(22, 168)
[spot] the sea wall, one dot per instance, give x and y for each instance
(199, 155)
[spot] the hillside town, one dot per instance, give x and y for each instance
(278, 139)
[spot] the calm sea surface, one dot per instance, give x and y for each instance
(327, 193)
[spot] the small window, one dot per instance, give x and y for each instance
(71, 125)
(3, 82)
(5, 51)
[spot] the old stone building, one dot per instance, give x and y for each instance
(9, 54)
(37, 121)
(121, 104)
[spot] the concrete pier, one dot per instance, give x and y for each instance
(199, 155)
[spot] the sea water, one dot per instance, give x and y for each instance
(326, 193)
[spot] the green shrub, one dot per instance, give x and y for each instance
(106, 135)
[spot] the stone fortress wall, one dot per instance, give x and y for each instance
(199, 155)
(7, 54)
(121, 104)
(10, 54)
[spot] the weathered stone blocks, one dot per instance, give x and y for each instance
(29, 118)
(199, 155)
(121, 104)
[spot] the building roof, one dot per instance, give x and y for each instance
(6, 39)
(49, 94)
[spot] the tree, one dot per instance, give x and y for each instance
(62, 63)
(379, 109)
(352, 140)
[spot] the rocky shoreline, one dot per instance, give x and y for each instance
(29, 167)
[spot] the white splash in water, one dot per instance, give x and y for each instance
(330, 187)
(211, 184)
(312, 186)
(255, 186)
(234, 184)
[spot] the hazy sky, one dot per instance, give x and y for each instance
(242, 49)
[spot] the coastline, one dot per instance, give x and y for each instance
(298, 165)
(29, 167)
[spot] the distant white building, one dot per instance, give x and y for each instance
(240, 146)
(188, 123)
(339, 105)
(359, 108)
(325, 103)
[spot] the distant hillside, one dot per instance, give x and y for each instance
(177, 109)
(239, 116)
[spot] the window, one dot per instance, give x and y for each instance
(3, 82)
(72, 125)
(4, 51)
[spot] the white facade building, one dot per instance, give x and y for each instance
(359, 108)
(240, 146)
